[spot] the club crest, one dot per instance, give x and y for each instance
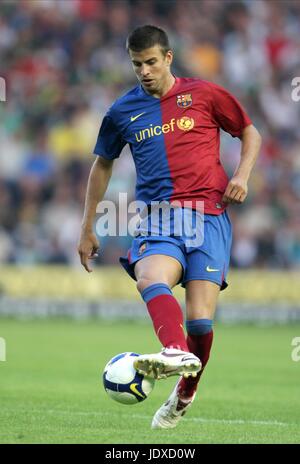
(183, 101)
(142, 249)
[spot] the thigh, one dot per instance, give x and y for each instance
(157, 269)
(210, 261)
(201, 299)
(169, 260)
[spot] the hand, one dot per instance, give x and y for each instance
(236, 191)
(87, 248)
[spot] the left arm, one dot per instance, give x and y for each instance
(237, 188)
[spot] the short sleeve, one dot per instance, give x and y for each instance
(228, 112)
(109, 142)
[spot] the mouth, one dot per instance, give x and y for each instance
(147, 81)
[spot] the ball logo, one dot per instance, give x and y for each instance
(134, 388)
(185, 123)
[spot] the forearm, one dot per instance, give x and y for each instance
(251, 142)
(237, 188)
(97, 184)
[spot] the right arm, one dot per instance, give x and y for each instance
(97, 184)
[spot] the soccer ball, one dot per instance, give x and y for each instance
(123, 383)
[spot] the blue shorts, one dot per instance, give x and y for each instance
(208, 260)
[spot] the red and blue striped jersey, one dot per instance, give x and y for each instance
(175, 140)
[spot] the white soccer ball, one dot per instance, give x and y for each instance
(123, 383)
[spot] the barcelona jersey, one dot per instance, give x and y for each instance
(175, 140)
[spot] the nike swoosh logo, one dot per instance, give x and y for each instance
(133, 118)
(186, 358)
(170, 355)
(135, 390)
(209, 269)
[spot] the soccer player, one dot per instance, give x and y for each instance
(172, 126)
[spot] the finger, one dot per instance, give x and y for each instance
(230, 189)
(226, 198)
(230, 201)
(240, 198)
(235, 198)
(84, 262)
(236, 194)
(86, 267)
(229, 186)
(228, 194)
(94, 253)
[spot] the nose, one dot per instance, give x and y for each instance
(144, 70)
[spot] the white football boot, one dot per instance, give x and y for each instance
(168, 362)
(170, 413)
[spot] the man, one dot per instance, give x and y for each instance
(173, 127)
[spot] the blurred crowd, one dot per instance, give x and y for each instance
(64, 62)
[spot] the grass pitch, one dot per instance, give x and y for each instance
(51, 389)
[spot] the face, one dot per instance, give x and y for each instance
(152, 68)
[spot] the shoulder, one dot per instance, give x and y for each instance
(200, 87)
(201, 84)
(194, 82)
(124, 102)
(216, 90)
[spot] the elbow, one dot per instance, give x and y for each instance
(258, 139)
(257, 135)
(104, 165)
(251, 133)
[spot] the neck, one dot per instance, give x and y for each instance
(168, 85)
(165, 87)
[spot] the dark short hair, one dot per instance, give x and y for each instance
(146, 37)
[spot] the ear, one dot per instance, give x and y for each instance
(169, 57)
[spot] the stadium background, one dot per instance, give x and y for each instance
(64, 62)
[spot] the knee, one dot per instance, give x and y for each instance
(206, 310)
(142, 283)
(149, 288)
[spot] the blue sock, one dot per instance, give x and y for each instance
(199, 326)
(155, 290)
